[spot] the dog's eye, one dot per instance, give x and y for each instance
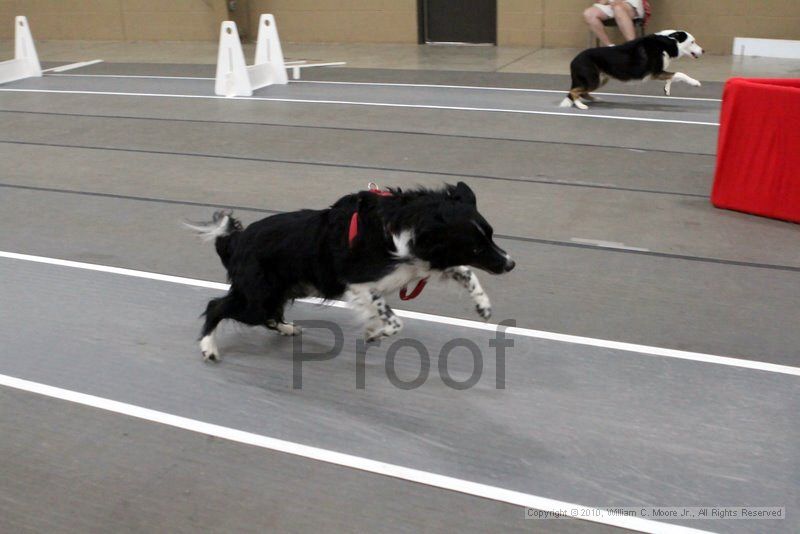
(477, 250)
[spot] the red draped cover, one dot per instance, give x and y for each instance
(758, 154)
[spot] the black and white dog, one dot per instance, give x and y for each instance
(641, 59)
(361, 248)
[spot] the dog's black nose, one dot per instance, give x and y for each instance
(510, 264)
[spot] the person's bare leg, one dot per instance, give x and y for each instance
(594, 18)
(624, 15)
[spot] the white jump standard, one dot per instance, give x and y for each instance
(25, 63)
(236, 78)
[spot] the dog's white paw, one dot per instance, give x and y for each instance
(209, 349)
(667, 89)
(375, 335)
(288, 329)
(391, 327)
(284, 329)
(693, 82)
(580, 105)
(483, 306)
(566, 103)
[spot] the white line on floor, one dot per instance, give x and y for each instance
(116, 270)
(575, 115)
(434, 86)
(346, 460)
(513, 89)
(607, 244)
(451, 321)
(131, 76)
(72, 66)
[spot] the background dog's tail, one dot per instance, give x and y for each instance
(222, 224)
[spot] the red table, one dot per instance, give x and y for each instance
(758, 155)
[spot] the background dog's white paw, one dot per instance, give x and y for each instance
(693, 82)
(580, 105)
(566, 103)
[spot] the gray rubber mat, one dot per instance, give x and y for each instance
(558, 82)
(461, 99)
(589, 425)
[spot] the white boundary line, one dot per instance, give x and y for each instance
(576, 115)
(72, 66)
(452, 321)
(435, 86)
(129, 76)
(512, 89)
(346, 460)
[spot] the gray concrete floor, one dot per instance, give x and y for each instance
(107, 178)
(185, 482)
(570, 422)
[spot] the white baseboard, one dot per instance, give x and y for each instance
(783, 48)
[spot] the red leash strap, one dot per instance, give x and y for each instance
(415, 292)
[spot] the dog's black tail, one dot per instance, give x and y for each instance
(220, 229)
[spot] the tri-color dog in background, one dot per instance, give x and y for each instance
(364, 246)
(641, 59)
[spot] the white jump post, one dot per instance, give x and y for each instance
(25, 63)
(234, 76)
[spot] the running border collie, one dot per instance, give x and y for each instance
(641, 59)
(361, 248)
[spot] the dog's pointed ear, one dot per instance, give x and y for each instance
(679, 36)
(463, 193)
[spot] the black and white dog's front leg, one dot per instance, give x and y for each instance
(467, 279)
(283, 328)
(670, 77)
(380, 319)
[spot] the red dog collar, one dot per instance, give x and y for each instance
(352, 233)
(372, 187)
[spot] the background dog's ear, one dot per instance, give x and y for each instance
(679, 36)
(462, 193)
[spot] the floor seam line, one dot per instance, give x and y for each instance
(359, 167)
(566, 244)
(350, 129)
